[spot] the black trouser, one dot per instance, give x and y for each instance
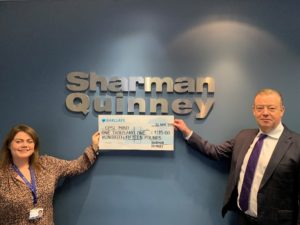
(244, 219)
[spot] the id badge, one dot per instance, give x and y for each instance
(36, 213)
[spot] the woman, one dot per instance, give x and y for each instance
(28, 181)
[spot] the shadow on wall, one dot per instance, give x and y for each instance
(214, 43)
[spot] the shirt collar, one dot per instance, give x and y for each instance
(275, 133)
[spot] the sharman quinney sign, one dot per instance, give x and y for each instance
(121, 95)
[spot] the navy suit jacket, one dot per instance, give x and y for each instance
(279, 194)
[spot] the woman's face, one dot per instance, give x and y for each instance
(22, 146)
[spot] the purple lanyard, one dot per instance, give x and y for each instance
(32, 185)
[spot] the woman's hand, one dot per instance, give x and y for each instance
(95, 141)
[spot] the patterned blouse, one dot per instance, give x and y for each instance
(16, 199)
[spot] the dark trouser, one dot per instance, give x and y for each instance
(244, 219)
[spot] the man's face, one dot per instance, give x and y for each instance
(268, 111)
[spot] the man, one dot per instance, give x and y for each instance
(264, 179)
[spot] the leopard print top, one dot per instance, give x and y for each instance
(16, 198)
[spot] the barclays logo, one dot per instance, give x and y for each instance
(120, 120)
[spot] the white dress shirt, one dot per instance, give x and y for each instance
(267, 150)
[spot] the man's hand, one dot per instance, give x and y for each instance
(182, 127)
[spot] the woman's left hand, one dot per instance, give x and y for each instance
(95, 140)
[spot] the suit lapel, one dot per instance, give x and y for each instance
(282, 146)
(243, 152)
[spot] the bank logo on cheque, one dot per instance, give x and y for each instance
(115, 120)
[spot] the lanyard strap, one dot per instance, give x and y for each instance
(32, 185)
